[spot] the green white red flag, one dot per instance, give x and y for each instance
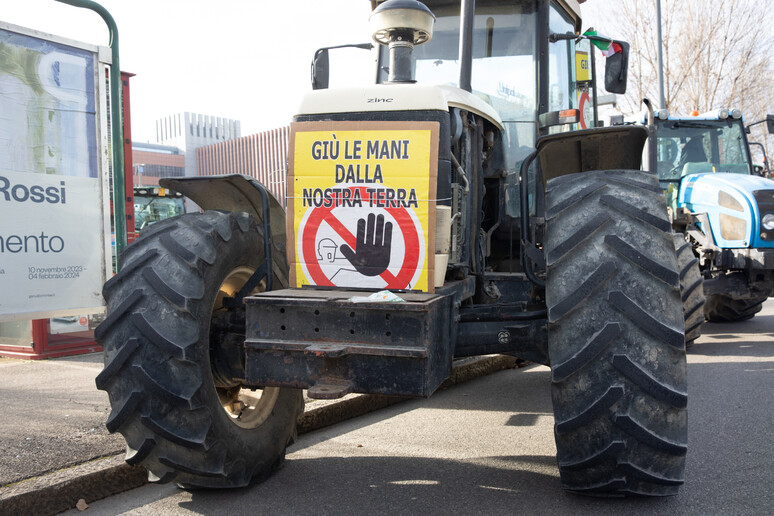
(607, 48)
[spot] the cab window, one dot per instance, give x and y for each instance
(503, 69)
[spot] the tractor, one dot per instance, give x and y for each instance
(153, 204)
(451, 209)
(724, 209)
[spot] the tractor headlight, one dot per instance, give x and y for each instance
(768, 222)
(732, 228)
(727, 201)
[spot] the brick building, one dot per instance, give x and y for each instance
(150, 162)
(263, 156)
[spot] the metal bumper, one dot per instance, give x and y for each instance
(321, 341)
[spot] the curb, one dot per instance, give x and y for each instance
(61, 490)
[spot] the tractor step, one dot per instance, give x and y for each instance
(321, 341)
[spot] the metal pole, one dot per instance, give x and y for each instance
(119, 190)
(467, 11)
(594, 86)
(660, 57)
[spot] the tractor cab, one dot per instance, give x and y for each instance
(710, 143)
(514, 66)
(527, 61)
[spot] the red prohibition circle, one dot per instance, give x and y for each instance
(407, 229)
(581, 107)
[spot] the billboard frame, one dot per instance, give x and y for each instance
(103, 162)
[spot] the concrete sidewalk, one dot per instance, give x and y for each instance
(56, 450)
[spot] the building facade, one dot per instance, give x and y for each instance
(263, 156)
(189, 131)
(151, 162)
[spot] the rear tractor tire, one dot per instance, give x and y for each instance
(165, 337)
(691, 289)
(615, 335)
(720, 308)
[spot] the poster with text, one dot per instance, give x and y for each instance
(52, 247)
(361, 204)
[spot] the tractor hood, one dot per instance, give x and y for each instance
(697, 184)
(734, 204)
(395, 97)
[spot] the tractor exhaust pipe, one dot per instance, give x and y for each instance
(467, 12)
(401, 68)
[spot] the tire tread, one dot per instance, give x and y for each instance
(615, 335)
(157, 365)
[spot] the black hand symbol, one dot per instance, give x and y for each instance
(373, 253)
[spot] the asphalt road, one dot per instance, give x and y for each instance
(51, 416)
(486, 447)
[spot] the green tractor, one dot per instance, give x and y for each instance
(449, 210)
(153, 204)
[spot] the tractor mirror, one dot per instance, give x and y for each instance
(770, 123)
(321, 64)
(616, 69)
(320, 69)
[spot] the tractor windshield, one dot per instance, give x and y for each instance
(503, 57)
(686, 147)
(504, 69)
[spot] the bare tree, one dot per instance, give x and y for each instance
(716, 54)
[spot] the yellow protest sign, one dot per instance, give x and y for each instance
(361, 204)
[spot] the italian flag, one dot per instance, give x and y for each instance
(607, 48)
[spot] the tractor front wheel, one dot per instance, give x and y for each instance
(615, 335)
(171, 345)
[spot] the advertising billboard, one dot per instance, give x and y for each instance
(52, 214)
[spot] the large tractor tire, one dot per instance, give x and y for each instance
(166, 337)
(721, 308)
(615, 335)
(691, 288)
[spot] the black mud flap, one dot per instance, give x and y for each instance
(321, 341)
(605, 148)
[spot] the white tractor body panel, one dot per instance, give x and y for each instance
(395, 97)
